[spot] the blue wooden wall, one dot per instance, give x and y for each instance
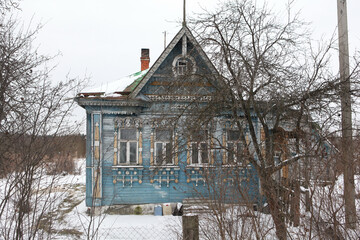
(118, 188)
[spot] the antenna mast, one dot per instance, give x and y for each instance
(184, 14)
(164, 39)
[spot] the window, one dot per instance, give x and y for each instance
(128, 146)
(163, 147)
(235, 146)
(199, 148)
(181, 66)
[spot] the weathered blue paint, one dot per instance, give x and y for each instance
(125, 192)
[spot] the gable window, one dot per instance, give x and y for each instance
(181, 66)
(199, 148)
(235, 147)
(163, 147)
(128, 146)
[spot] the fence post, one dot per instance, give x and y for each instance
(190, 227)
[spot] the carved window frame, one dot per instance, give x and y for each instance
(128, 142)
(122, 125)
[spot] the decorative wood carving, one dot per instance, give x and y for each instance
(128, 122)
(115, 148)
(152, 148)
(224, 145)
(140, 148)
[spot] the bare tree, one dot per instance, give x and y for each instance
(273, 78)
(33, 112)
(8, 5)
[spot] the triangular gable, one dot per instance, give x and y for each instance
(184, 31)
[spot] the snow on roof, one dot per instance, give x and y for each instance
(110, 88)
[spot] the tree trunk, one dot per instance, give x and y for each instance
(275, 207)
(296, 203)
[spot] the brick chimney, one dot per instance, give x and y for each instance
(145, 58)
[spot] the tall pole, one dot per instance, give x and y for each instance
(346, 123)
(184, 13)
(164, 39)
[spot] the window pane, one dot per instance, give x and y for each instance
(133, 149)
(168, 153)
(181, 66)
(233, 135)
(182, 62)
(122, 152)
(194, 150)
(198, 136)
(231, 153)
(240, 151)
(128, 134)
(159, 154)
(163, 135)
(204, 153)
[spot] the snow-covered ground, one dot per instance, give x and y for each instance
(73, 220)
(67, 217)
(60, 208)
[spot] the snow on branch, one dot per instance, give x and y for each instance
(286, 162)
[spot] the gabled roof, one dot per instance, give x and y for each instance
(130, 86)
(183, 31)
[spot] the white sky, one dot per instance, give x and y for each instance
(102, 39)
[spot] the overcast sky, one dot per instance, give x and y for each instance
(102, 38)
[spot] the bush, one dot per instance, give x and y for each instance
(60, 164)
(138, 210)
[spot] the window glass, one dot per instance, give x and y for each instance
(182, 63)
(133, 152)
(231, 152)
(163, 135)
(198, 136)
(199, 147)
(163, 146)
(123, 150)
(181, 66)
(168, 152)
(195, 152)
(204, 153)
(128, 146)
(128, 134)
(159, 153)
(233, 135)
(240, 150)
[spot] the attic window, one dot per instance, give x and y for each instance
(182, 66)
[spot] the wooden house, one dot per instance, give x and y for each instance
(143, 148)
(135, 152)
